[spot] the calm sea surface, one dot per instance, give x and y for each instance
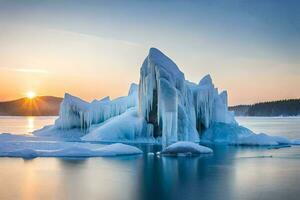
(230, 173)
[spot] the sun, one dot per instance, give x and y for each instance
(30, 95)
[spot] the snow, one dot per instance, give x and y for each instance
(127, 126)
(19, 146)
(119, 149)
(184, 147)
(12, 137)
(51, 132)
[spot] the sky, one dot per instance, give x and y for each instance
(93, 49)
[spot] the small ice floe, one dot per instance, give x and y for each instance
(151, 154)
(185, 148)
(295, 142)
(65, 149)
(262, 140)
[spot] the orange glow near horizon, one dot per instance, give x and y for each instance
(30, 95)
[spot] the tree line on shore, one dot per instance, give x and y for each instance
(287, 107)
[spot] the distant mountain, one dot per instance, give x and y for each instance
(290, 107)
(39, 106)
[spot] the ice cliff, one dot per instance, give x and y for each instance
(76, 113)
(163, 107)
(175, 109)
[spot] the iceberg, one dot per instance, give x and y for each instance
(178, 110)
(164, 107)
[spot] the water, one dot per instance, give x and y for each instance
(23, 125)
(280, 126)
(230, 173)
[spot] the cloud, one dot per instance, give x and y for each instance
(95, 36)
(26, 70)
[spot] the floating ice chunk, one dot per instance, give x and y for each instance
(184, 147)
(119, 149)
(262, 139)
(295, 142)
(238, 135)
(64, 149)
(23, 153)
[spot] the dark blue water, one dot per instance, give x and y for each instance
(230, 173)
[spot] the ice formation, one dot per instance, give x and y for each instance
(28, 147)
(175, 109)
(163, 107)
(296, 142)
(126, 126)
(76, 113)
(184, 147)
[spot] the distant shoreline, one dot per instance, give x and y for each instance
(281, 108)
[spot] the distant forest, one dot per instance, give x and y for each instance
(289, 107)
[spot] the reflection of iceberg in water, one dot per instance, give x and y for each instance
(176, 178)
(163, 107)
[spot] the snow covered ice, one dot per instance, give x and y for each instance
(184, 147)
(30, 147)
(163, 108)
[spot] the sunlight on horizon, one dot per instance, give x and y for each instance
(30, 94)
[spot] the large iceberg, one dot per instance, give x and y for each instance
(174, 108)
(164, 107)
